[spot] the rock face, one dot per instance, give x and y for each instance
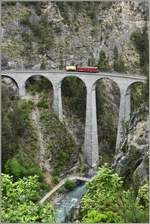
(50, 35)
(132, 162)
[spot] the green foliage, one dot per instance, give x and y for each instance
(94, 216)
(74, 96)
(16, 124)
(140, 40)
(42, 34)
(139, 100)
(106, 186)
(103, 64)
(22, 116)
(143, 195)
(110, 202)
(70, 184)
(61, 145)
(9, 144)
(43, 104)
(55, 178)
(63, 7)
(92, 14)
(118, 62)
(22, 166)
(12, 49)
(20, 201)
(41, 85)
(132, 211)
(64, 157)
(106, 112)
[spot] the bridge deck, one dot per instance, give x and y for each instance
(106, 74)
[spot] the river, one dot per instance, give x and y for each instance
(70, 201)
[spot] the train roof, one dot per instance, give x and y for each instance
(86, 67)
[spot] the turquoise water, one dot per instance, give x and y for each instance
(70, 201)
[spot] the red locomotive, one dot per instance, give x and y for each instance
(75, 68)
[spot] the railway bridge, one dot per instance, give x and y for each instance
(123, 81)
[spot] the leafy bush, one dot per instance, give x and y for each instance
(21, 117)
(106, 186)
(110, 202)
(55, 178)
(140, 41)
(70, 184)
(43, 104)
(22, 166)
(20, 201)
(143, 195)
(132, 211)
(137, 96)
(43, 34)
(94, 216)
(103, 64)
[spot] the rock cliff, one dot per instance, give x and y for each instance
(50, 35)
(132, 162)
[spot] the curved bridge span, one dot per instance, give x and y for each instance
(50, 193)
(123, 81)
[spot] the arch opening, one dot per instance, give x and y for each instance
(9, 88)
(107, 103)
(138, 97)
(39, 87)
(10, 98)
(74, 105)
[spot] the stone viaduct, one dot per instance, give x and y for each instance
(123, 81)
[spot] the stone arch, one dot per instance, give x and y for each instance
(82, 79)
(108, 96)
(37, 78)
(135, 90)
(12, 86)
(74, 91)
(108, 78)
(7, 76)
(134, 83)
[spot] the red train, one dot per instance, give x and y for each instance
(75, 68)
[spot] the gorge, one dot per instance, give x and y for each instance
(56, 124)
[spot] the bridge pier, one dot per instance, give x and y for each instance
(91, 152)
(127, 105)
(57, 99)
(22, 90)
(124, 116)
